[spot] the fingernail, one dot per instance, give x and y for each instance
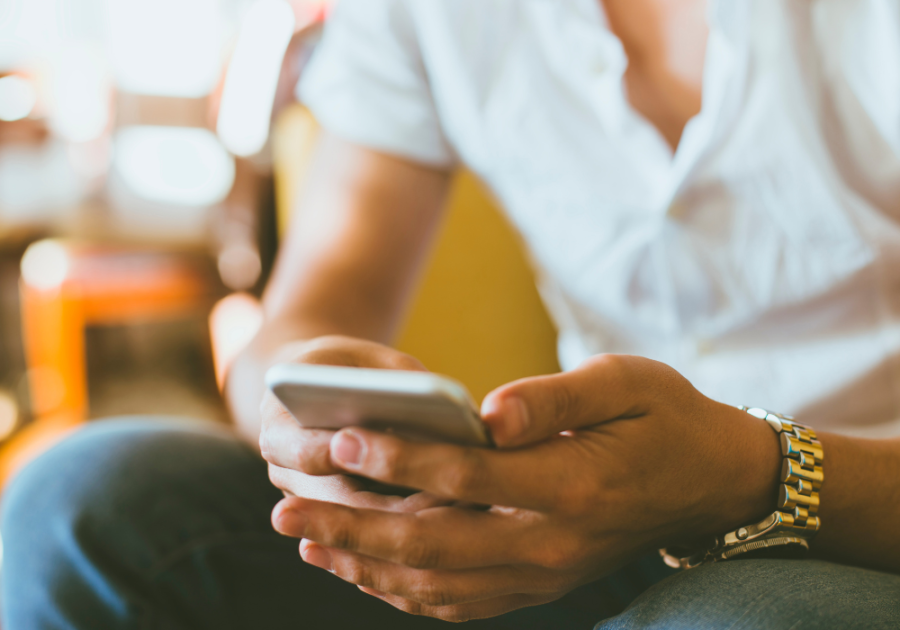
(347, 449)
(318, 557)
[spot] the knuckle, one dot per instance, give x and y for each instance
(622, 368)
(465, 475)
(389, 462)
(616, 367)
(343, 537)
(359, 574)
(303, 457)
(419, 552)
(431, 593)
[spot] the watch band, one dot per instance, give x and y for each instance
(787, 531)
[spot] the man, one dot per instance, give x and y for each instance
(713, 187)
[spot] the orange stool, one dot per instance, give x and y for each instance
(66, 287)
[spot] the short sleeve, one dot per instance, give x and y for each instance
(366, 82)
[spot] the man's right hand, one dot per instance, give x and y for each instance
(284, 443)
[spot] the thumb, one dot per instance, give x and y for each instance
(533, 409)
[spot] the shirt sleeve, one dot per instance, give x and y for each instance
(366, 82)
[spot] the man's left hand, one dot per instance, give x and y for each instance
(594, 468)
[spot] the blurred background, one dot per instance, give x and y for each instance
(137, 201)
(150, 153)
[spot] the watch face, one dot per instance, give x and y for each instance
(781, 547)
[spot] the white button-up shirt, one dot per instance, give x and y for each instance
(761, 259)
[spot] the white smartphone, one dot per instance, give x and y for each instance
(416, 405)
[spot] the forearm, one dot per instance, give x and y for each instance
(860, 502)
(347, 265)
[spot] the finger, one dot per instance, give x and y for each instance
(350, 352)
(526, 478)
(436, 538)
(457, 613)
(605, 387)
(348, 491)
(284, 443)
(431, 588)
(337, 488)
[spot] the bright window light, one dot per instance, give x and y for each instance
(38, 184)
(17, 98)
(252, 78)
(174, 165)
(80, 94)
(166, 47)
(28, 28)
(45, 265)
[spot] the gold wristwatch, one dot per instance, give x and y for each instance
(785, 533)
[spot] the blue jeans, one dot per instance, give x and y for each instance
(153, 524)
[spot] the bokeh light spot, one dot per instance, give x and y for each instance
(45, 265)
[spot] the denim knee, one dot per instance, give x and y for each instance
(88, 521)
(767, 595)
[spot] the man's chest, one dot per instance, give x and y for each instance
(538, 89)
(665, 42)
(780, 162)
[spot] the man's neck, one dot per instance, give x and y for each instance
(665, 41)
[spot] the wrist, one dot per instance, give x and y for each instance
(749, 480)
(750, 524)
